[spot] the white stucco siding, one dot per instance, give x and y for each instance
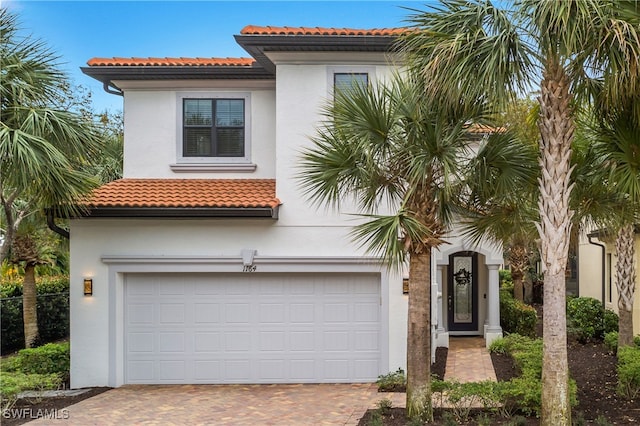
(152, 128)
(93, 240)
(149, 137)
(301, 92)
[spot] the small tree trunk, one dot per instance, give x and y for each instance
(518, 259)
(29, 306)
(626, 283)
(419, 337)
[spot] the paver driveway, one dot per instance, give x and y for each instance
(321, 404)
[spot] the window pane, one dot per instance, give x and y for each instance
(345, 81)
(230, 113)
(198, 112)
(230, 142)
(197, 142)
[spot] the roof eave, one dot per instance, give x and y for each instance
(181, 212)
(106, 74)
(257, 45)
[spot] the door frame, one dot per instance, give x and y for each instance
(473, 325)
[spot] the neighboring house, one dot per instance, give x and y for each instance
(597, 273)
(208, 265)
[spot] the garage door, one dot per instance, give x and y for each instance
(252, 328)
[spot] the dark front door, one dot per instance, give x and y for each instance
(462, 295)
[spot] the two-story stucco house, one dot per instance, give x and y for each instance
(207, 263)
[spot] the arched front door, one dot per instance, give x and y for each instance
(462, 294)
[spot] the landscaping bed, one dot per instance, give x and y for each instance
(592, 367)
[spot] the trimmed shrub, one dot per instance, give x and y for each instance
(52, 358)
(611, 341)
(629, 371)
(515, 316)
(586, 319)
(52, 305)
(12, 383)
(524, 393)
(610, 321)
(504, 276)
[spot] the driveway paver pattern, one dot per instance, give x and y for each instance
(282, 405)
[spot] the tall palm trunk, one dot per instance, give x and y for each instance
(419, 336)
(556, 130)
(626, 283)
(29, 306)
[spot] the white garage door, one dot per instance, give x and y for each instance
(252, 328)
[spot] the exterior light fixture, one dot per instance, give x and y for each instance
(405, 286)
(88, 286)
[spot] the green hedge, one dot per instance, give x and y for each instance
(515, 316)
(42, 368)
(53, 311)
(587, 319)
(629, 371)
(524, 393)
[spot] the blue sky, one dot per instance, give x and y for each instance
(80, 30)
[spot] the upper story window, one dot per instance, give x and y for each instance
(344, 77)
(214, 128)
(214, 132)
(345, 81)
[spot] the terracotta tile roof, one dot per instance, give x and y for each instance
(171, 62)
(181, 193)
(482, 128)
(319, 31)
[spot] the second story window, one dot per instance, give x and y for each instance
(213, 128)
(345, 81)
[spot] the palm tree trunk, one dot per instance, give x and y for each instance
(518, 260)
(29, 306)
(556, 131)
(626, 283)
(419, 337)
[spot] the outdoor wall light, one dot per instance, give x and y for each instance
(88, 286)
(405, 286)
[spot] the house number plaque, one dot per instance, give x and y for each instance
(249, 268)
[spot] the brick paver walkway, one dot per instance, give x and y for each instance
(468, 360)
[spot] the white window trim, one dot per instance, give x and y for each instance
(213, 164)
(347, 69)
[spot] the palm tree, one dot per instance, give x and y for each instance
(616, 139)
(502, 187)
(474, 49)
(399, 159)
(31, 246)
(43, 149)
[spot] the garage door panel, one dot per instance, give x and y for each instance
(208, 342)
(238, 313)
(207, 370)
(141, 342)
(267, 329)
(172, 313)
(207, 313)
(171, 342)
(140, 313)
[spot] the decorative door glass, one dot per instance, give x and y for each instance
(462, 289)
